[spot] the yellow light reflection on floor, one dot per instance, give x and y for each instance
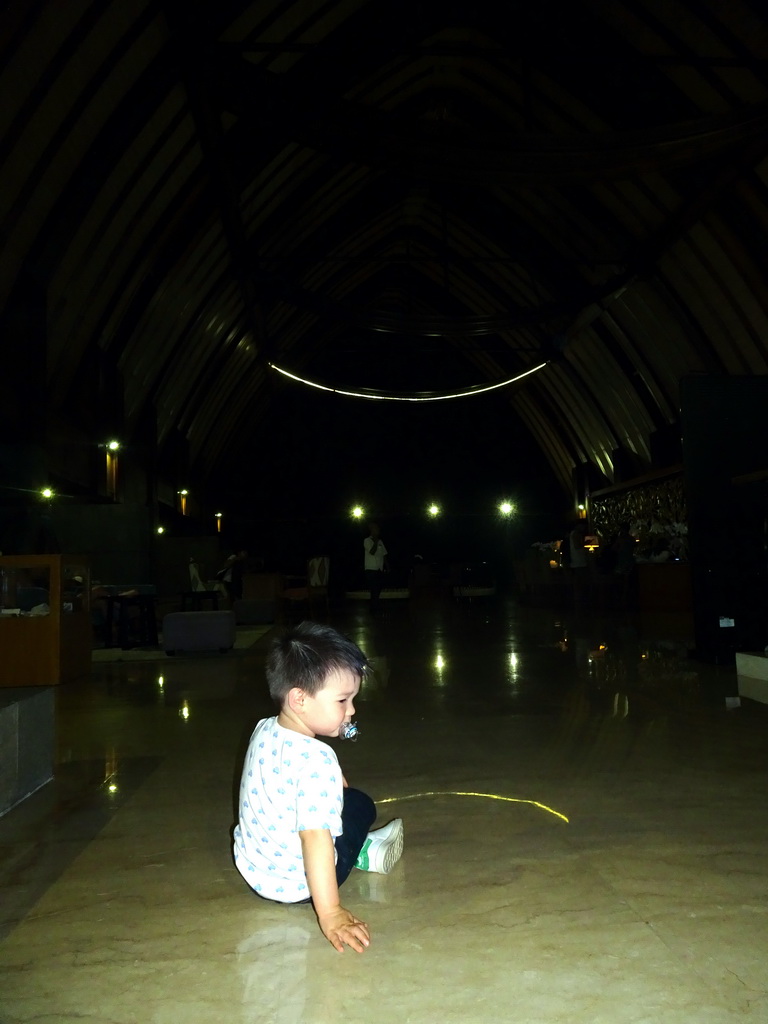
(486, 796)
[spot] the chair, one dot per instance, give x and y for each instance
(314, 590)
(194, 576)
(198, 593)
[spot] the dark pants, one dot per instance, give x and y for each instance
(357, 816)
(374, 581)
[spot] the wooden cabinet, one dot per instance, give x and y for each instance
(263, 586)
(45, 620)
(664, 587)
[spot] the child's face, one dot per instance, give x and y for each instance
(333, 705)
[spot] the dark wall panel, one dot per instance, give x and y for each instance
(724, 421)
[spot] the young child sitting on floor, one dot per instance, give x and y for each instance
(301, 829)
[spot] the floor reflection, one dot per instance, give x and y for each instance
(606, 721)
(623, 672)
(521, 660)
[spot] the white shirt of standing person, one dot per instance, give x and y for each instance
(578, 551)
(374, 560)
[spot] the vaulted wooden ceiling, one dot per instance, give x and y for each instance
(400, 196)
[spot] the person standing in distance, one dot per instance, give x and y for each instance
(376, 564)
(579, 565)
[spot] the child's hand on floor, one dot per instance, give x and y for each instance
(340, 928)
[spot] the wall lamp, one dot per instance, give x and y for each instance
(112, 448)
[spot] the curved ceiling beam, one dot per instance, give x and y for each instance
(421, 396)
(451, 326)
(365, 136)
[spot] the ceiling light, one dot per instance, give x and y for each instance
(434, 397)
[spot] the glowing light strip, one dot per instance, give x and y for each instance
(406, 398)
(486, 796)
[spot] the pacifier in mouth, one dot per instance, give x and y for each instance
(349, 731)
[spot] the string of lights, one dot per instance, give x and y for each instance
(504, 509)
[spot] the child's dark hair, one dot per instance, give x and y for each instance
(305, 655)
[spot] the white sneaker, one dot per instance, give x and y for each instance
(382, 848)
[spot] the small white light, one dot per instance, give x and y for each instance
(357, 512)
(161, 529)
(218, 515)
(113, 445)
(434, 510)
(506, 508)
(46, 492)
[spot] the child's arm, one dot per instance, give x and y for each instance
(337, 924)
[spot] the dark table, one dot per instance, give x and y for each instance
(139, 630)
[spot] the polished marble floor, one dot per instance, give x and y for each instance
(623, 879)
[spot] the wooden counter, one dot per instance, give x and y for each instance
(664, 587)
(44, 650)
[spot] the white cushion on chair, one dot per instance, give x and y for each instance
(317, 571)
